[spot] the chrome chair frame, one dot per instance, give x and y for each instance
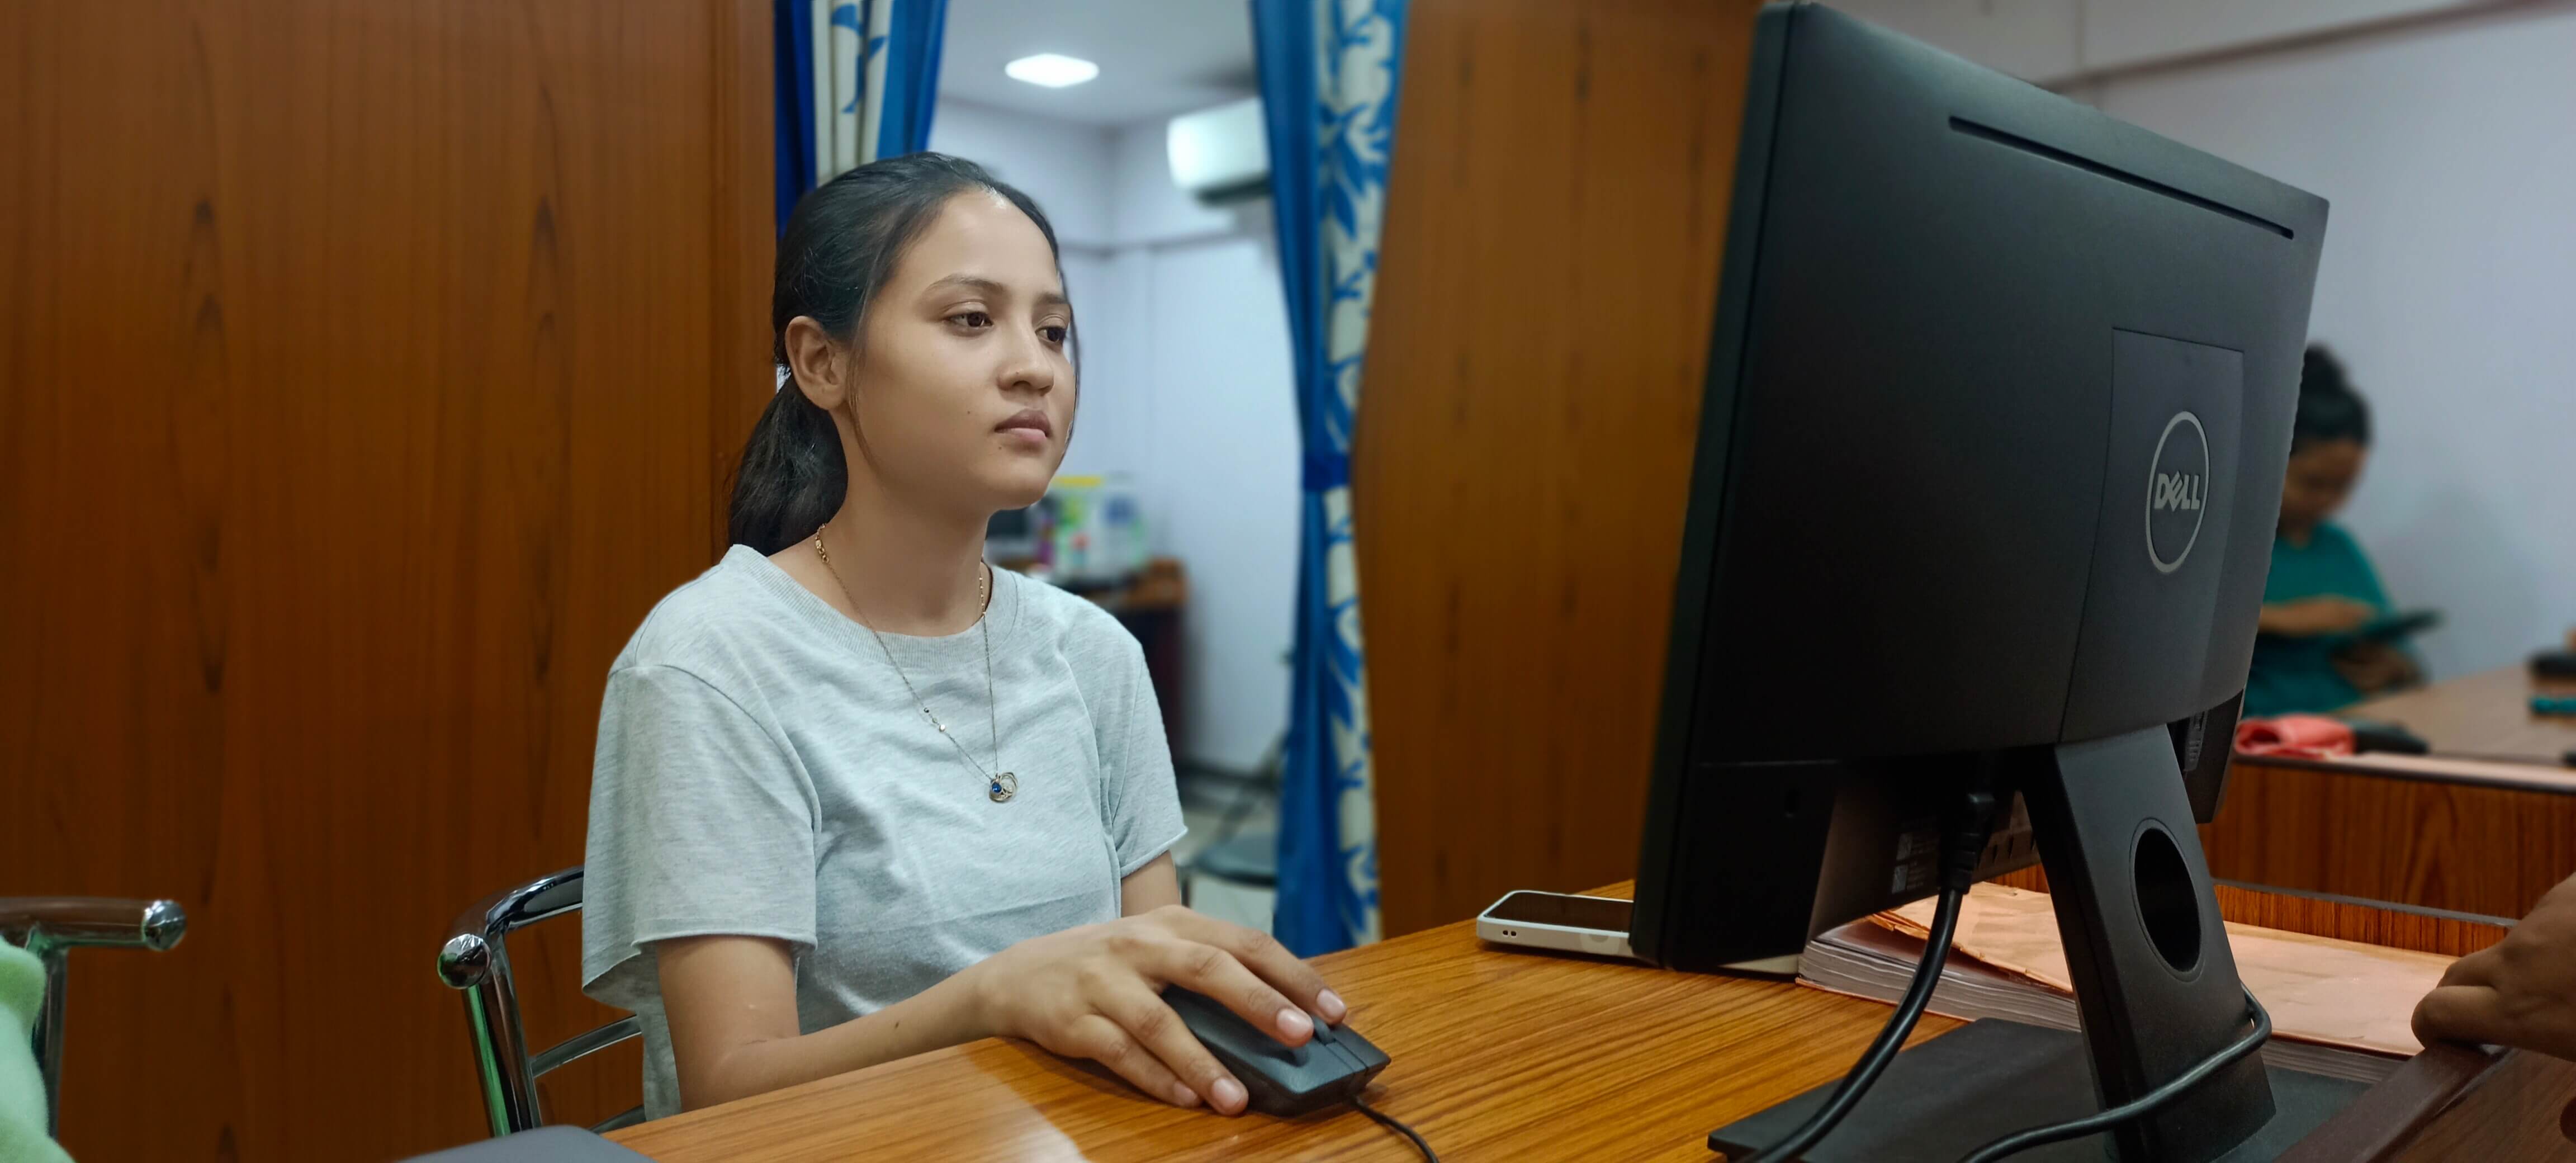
(51, 927)
(476, 961)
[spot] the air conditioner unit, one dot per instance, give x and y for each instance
(1221, 155)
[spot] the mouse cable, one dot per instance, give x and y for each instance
(1963, 845)
(2147, 1103)
(1391, 1122)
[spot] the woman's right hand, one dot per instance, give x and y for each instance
(2311, 617)
(1096, 992)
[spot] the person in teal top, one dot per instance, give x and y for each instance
(2322, 587)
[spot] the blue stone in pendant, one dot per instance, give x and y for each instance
(1003, 787)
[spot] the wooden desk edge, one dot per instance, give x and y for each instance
(2424, 1098)
(2393, 1112)
(712, 1132)
(2528, 777)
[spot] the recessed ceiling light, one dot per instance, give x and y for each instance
(1051, 70)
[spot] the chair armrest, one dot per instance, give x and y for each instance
(465, 960)
(63, 921)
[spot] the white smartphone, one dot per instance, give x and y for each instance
(1553, 920)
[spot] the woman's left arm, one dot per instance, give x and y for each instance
(1149, 888)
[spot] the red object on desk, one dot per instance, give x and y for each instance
(2307, 736)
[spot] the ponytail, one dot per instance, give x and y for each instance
(792, 477)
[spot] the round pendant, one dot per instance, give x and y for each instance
(1004, 786)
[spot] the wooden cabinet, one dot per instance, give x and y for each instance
(367, 371)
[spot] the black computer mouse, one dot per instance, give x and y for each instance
(1333, 1066)
(2391, 738)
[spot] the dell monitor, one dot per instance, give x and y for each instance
(1999, 395)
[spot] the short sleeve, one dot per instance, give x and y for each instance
(2365, 577)
(701, 823)
(1142, 798)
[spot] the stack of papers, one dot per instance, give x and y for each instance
(2339, 1008)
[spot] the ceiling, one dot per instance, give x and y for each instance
(1156, 57)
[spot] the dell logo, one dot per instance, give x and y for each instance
(2177, 491)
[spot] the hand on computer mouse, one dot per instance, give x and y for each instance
(1094, 992)
(2520, 991)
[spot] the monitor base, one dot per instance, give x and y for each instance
(1948, 1096)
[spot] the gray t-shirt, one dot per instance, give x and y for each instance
(761, 771)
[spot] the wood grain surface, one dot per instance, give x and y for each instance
(2360, 921)
(2523, 1110)
(2369, 922)
(1494, 1055)
(1513, 1054)
(2474, 837)
(1555, 208)
(2400, 1107)
(2396, 836)
(364, 368)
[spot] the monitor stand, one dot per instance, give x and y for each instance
(2154, 981)
(1956, 1093)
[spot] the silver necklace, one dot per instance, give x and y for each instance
(999, 786)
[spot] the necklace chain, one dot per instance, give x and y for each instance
(1000, 785)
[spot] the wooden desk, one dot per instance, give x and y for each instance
(1528, 1056)
(1495, 1056)
(2487, 714)
(2468, 836)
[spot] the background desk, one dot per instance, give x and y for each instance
(2487, 714)
(1496, 1055)
(2469, 836)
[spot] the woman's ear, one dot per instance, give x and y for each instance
(821, 372)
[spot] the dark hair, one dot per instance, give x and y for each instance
(2328, 407)
(842, 243)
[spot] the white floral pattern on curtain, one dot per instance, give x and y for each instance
(875, 68)
(1329, 72)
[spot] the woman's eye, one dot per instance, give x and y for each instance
(1055, 335)
(975, 320)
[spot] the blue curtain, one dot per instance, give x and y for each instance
(857, 80)
(1328, 87)
(792, 22)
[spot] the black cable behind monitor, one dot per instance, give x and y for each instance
(1891, 1039)
(2020, 1141)
(1961, 844)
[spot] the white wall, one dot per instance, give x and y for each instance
(2121, 33)
(1109, 431)
(1187, 386)
(1203, 338)
(1145, 207)
(1063, 165)
(1224, 479)
(2448, 285)
(2036, 40)
(2050, 41)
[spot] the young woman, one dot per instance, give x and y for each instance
(2321, 587)
(859, 795)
